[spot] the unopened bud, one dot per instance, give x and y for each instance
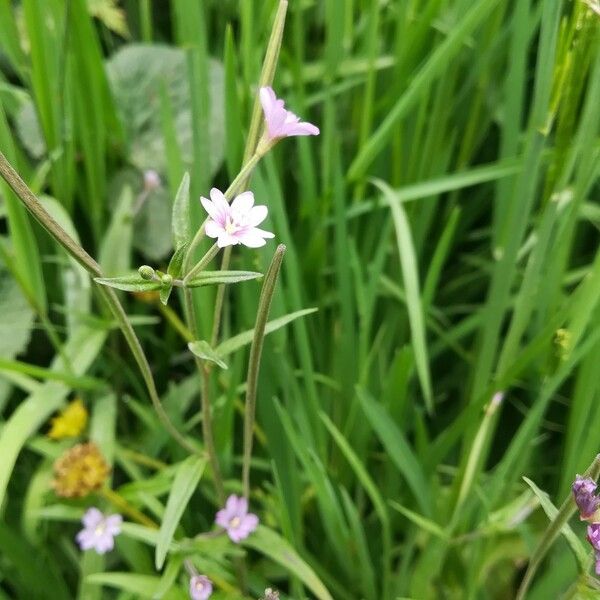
(166, 280)
(146, 272)
(151, 180)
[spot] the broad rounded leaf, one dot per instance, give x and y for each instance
(137, 73)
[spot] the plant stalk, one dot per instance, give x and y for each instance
(32, 204)
(264, 305)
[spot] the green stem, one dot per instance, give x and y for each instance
(201, 264)
(207, 429)
(266, 77)
(87, 262)
(264, 305)
(131, 511)
(564, 514)
(214, 338)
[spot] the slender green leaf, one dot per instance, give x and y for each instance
(186, 481)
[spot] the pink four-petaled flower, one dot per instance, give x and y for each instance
(236, 519)
(280, 121)
(99, 531)
(235, 223)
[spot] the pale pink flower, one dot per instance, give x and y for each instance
(235, 223)
(152, 180)
(236, 519)
(99, 531)
(281, 122)
(200, 587)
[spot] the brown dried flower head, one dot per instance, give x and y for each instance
(79, 471)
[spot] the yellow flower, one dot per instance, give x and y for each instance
(70, 422)
(79, 471)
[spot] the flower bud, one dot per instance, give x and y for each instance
(146, 272)
(166, 280)
(151, 180)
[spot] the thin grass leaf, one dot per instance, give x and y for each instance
(185, 483)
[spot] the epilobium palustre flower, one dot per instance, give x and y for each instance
(200, 587)
(235, 223)
(236, 519)
(583, 492)
(99, 531)
(593, 536)
(79, 471)
(281, 122)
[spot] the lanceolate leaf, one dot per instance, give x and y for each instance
(129, 283)
(203, 350)
(181, 213)
(271, 544)
(165, 293)
(186, 481)
(176, 262)
(218, 277)
(244, 338)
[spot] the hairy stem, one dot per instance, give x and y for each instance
(32, 204)
(131, 511)
(207, 429)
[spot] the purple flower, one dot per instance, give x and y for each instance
(236, 519)
(99, 531)
(584, 485)
(235, 223)
(583, 491)
(200, 587)
(593, 535)
(281, 122)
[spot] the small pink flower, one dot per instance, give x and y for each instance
(236, 519)
(99, 531)
(152, 180)
(281, 122)
(200, 587)
(583, 492)
(235, 223)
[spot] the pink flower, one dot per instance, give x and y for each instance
(236, 519)
(200, 587)
(235, 223)
(583, 492)
(593, 536)
(281, 122)
(152, 180)
(99, 531)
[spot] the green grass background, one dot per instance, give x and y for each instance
(444, 224)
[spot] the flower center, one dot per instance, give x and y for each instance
(100, 529)
(231, 227)
(235, 522)
(236, 221)
(199, 586)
